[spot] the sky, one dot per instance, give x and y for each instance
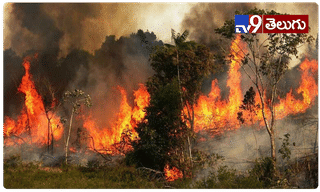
(87, 25)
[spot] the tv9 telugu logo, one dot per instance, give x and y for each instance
(271, 23)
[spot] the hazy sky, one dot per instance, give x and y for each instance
(86, 25)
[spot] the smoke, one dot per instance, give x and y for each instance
(84, 25)
(241, 147)
(66, 59)
(201, 21)
(65, 26)
(122, 62)
(204, 18)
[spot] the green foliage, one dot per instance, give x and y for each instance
(226, 178)
(162, 133)
(248, 104)
(12, 161)
(20, 175)
(193, 61)
(93, 164)
(29, 176)
(204, 160)
(284, 150)
(179, 38)
(179, 72)
(249, 182)
(263, 171)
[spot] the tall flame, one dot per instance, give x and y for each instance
(211, 111)
(216, 115)
(32, 120)
(127, 119)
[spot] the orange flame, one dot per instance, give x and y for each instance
(308, 88)
(211, 111)
(32, 120)
(216, 115)
(172, 174)
(127, 119)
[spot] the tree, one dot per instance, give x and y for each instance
(189, 63)
(265, 63)
(75, 98)
(51, 106)
(162, 133)
(249, 105)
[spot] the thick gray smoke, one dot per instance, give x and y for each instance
(202, 21)
(204, 18)
(64, 64)
(58, 33)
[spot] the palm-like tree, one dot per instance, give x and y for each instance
(180, 43)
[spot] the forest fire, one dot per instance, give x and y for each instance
(172, 174)
(211, 112)
(31, 125)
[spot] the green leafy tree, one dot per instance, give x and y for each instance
(189, 63)
(162, 132)
(266, 61)
(75, 99)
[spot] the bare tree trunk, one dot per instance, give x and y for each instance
(52, 140)
(191, 122)
(190, 154)
(68, 138)
(28, 126)
(48, 134)
(255, 137)
(270, 128)
(192, 130)
(273, 152)
(315, 141)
